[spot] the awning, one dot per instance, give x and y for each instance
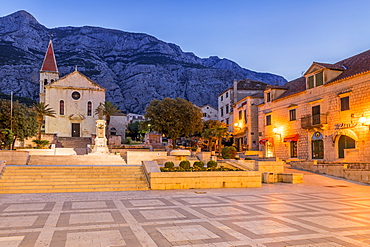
(270, 140)
(291, 138)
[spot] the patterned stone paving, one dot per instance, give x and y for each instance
(322, 212)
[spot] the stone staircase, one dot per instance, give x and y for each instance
(53, 179)
(74, 142)
(64, 160)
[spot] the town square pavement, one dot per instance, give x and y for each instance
(321, 212)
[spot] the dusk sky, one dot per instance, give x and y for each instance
(281, 37)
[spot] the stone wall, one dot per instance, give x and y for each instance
(14, 157)
(136, 157)
(358, 172)
(202, 180)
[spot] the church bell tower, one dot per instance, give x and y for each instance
(49, 71)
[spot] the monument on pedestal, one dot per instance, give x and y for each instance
(100, 146)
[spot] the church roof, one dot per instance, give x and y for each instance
(49, 63)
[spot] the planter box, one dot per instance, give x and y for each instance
(203, 180)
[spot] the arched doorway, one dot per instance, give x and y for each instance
(317, 145)
(345, 142)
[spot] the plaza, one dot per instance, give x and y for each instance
(322, 211)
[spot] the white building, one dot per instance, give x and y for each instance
(209, 112)
(74, 97)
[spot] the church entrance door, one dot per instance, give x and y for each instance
(75, 130)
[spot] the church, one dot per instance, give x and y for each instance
(74, 98)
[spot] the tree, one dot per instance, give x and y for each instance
(42, 110)
(6, 138)
(174, 117)
(23, 122)
(214, 131)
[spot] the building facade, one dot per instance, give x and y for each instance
(209, 112)
(74, 97)
(324, 115)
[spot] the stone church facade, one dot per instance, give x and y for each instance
(74, 97)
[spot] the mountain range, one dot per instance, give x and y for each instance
(134, 67)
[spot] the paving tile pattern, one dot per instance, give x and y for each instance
(312, 214)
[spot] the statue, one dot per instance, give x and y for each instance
(100, 111)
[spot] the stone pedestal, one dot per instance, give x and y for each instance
(100, 140)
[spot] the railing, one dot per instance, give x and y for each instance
(313, 121)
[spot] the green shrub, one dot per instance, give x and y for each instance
(211, 164)
(169, 165)
(42, 143)
(128, 140)
(228, 152)
(185, 164)
(198, 164)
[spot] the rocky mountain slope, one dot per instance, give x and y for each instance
(135, 68)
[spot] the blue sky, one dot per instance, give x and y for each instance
(282, 37)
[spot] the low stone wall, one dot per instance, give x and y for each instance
(293, 178)
(359, 172)
(203, 180)
(14, 157)
(136, 157)
(54, 151)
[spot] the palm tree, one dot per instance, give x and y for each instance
(109, 109)
(42, 110)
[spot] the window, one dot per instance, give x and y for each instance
(268, 120)
(316, 115)
(227, 95)
(222, 112)
(61, 107)
(268, 97)
(76, 95)
(227, 121)
(45, 81)
(344, 103)
(315, 80)
(292, 115)
(240, 115)
(310, 82)
(204, 114)
(245, 116)
(293, 149)
(227, 109)
(89, 108)
(319, 79)
(222, 98)
(113, 131)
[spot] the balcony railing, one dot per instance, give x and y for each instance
(314, 121)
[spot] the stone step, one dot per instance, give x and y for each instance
(80, 181)
(66, 190)
(50, 179)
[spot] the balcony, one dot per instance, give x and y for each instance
(314, 121)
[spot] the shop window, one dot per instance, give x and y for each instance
(344, 103)
(293, 149)
(61, 107)
(292, 115)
